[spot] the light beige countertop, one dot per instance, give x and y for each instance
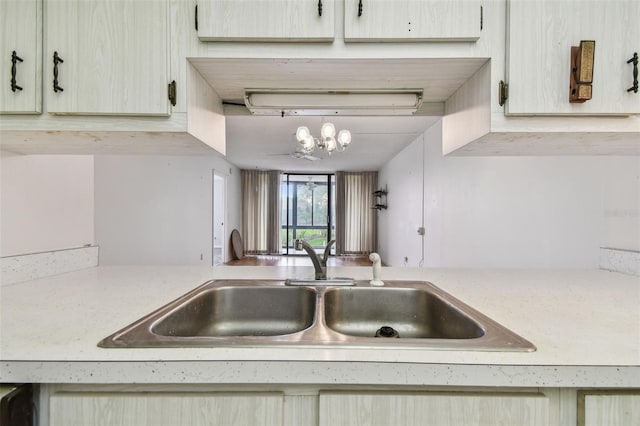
(585, 324)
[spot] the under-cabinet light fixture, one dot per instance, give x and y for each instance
(333, 102)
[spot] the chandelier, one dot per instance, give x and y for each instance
(328, 139)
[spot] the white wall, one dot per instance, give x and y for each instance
(398, 225)
(622, 204)
(46, 202)
(158, 210)
(525, 212)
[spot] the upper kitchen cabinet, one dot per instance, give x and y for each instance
(412, 20)
(265, 20)
(473, 124)
(21, 56)
(108, 57)
(540, 36)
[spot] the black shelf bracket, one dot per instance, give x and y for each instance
(381, 199)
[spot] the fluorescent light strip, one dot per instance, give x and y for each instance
(400, 102)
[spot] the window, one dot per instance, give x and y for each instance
(307, 206)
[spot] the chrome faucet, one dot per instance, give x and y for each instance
(319, 263)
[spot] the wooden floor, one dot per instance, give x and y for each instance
(298, 261)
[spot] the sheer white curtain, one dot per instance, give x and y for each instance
(356, 221)
(261, 211)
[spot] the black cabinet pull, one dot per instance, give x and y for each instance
(634, 61)
(319, 7)
(172, 93)
(359, 8)
(56, 60)
(14, 60)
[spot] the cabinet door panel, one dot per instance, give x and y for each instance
(404, 409)
(157, 409)
(540, 37)
(21, 31)
(611, 410)
(115, 56)
(412, 20)
(263, 20)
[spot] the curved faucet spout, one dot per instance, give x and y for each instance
(327, 252)
(319, 264)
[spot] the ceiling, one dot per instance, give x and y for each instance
(266, 142)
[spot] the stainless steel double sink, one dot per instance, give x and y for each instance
(259, 313)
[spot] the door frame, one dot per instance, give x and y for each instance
(214, 211)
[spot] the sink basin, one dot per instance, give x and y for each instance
(241, 311)
(262, 313)
(224, 313)
(412, 313)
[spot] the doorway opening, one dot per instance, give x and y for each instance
(219, 252)
(307, 211)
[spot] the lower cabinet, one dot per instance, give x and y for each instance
(170, 409)
(438, 409)
(306, 405)
(608, 408)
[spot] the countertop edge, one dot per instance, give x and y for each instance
(318, 373)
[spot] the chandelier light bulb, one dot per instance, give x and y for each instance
(344, 137)
(308, 143)
(331, 144)
(302, 133)
(328, 130)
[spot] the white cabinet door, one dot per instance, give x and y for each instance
(165, 409)
(20, 32)
(412, 20)
(115, 53)
(266, 20)
(540, 36)
(609, 409)
(404, 409)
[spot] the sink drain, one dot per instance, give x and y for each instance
(387, 331)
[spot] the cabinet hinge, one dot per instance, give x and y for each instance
(503, 92)
(481, 18)
(172, 93)
(196, 18)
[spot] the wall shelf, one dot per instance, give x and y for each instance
(381, 199)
